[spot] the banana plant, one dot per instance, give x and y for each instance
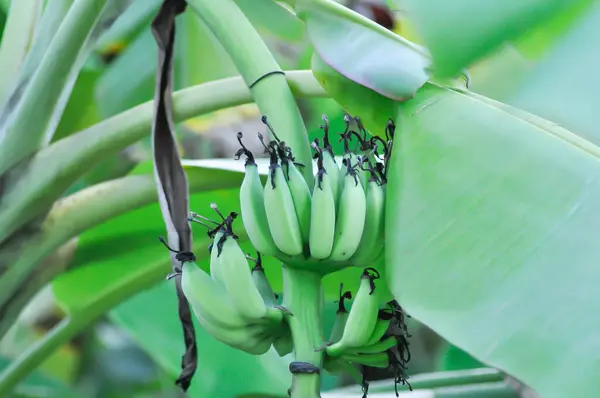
(444, 205)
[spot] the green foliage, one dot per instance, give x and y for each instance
(401, 66)
(525, 190)
(491, 209)
(460, 32)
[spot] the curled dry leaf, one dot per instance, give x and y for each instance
(170, 178)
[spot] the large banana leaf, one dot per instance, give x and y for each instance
(460, 32)
(401, 68)
(491, 237)
(491, 216)
(562, 90)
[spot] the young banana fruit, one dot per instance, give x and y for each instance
(238, 309)
(329, 162)
(351, 216)
(252, 204)
(362, 317)
(340, 219)
(301, 195)
(262, 283)
(373, 235)
(322, 230)
(279, 206)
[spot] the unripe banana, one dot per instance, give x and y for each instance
(230, 265)
(207, 298)
(300, 191)
(362, 318)
(252, 204)
(322, 222)
(350, 219)
(237, 278)
(262, 283)
(253, 339)
(329, 162)
(341, 316)
(372, 240)
(379, 360)
(380, 346)
(302, 199)
(383, 323)
(215, 269)
(279, 206)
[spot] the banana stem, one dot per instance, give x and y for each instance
(261, 73)
(303, 297)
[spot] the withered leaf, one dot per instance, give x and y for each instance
(170, 178)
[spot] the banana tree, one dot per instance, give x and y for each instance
(482, 199)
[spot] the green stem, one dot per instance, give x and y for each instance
(17, 35)
(54, 13)
(254, 61)
(53, 169)
(435, 380)
(303, 297)
(23, 134)
(73, 324)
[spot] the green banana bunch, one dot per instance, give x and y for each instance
(386, 348)
(367, 337)
(229, 304)
(339, 220)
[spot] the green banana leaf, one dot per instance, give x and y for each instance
(460, 32)
(401, 67)
(536, 42)
(373, 108)
(500, 75)
(561, 90)
(490, 236)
